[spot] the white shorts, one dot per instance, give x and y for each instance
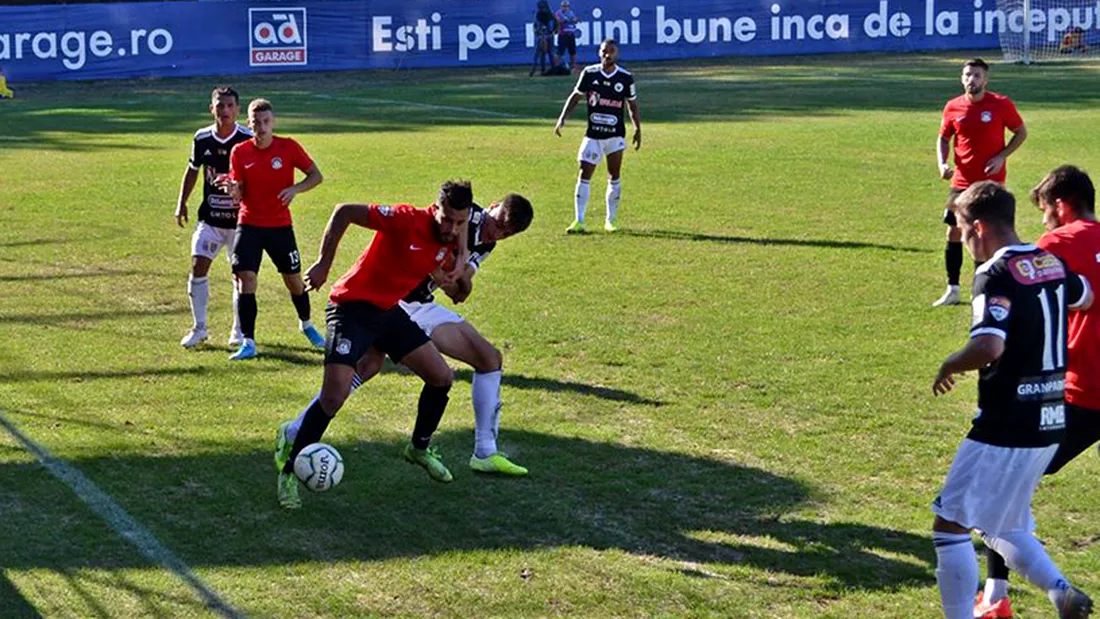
(428, 316)
(990, 488)
(593, 150)
(207, 241)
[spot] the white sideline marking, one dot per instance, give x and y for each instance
(428, 106)
(122, 523)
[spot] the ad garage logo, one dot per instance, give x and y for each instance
(277, 37)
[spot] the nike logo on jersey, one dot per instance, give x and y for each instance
(249, 165)
(414, 248)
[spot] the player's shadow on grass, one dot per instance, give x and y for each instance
(696, 516)
(522, 381)
(78, 319)
(32, 277)
(749, 240)
(12, 602)
(22, 376)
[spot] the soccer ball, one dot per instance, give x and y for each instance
(319, 466)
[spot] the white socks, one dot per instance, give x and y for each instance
(956, 573)
(614, 191)
(485, 390)
(198, 289)
(1026, 556)
(236, 314)
(580, 203)
(995, 589)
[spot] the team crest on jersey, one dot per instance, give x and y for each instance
(385, 211)
(276, 163)
(999, 308)
(618, 87)
(439, 257)
(343, 346)
(987, 116)
(1036, 268)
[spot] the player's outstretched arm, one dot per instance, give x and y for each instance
(566, 110)
(342, 216)
(636, 120)
(190, 176)
(979, 352)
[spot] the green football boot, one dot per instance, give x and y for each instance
(496, 464)
(431, 461)
(288, 491)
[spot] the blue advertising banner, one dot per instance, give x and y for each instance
(202, 38)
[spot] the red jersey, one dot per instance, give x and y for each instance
(1078, 245)
(265, 172)
(979, 131)
(403, 252)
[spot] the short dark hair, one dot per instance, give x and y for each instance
(457, 195)
(260, 105)
(988, 202)
(610, 41)
(225, 91)
(976, 62)
(1070, 184)
(517, 212)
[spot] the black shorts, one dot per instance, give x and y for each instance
(1082, 430)
(949, 207)
(355, 326)
(251, 242)
(567, 43)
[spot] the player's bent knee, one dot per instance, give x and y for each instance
(369, 367)
(200, 266)
(332, 402)
(246, 282)
(440, 377)
(490, 359)
(942, 525)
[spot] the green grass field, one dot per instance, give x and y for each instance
(726, 408)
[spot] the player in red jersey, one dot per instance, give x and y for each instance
(261, 176)
(976, 121)
(409, 245)
(1067, 198)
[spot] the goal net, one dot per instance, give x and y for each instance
(1052, 30)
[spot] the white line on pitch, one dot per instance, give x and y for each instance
(123, 523)
(428, 106)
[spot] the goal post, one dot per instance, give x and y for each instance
(1044, 30)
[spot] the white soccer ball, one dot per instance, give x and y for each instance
(319, 466)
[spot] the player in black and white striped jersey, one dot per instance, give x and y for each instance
(456, 338)
(217, 215)
(608, 89)
(1018, 344)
